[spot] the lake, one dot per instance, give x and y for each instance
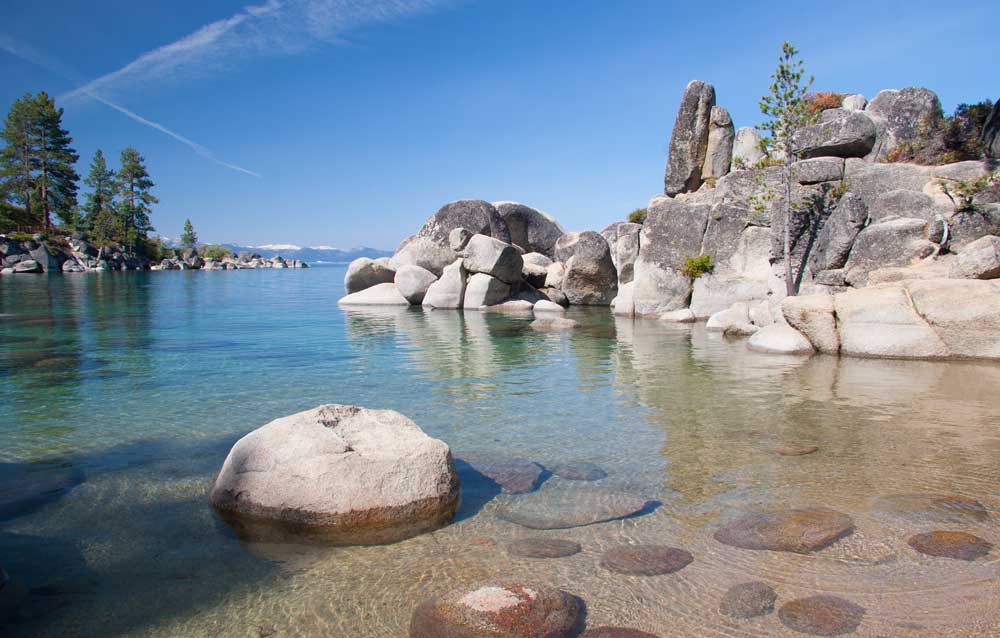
(121, 393)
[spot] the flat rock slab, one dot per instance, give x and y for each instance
(497, 610)
(793, 530)
(821, 615)
(646, 560)
(543, 548)
(748, 600)
(933, 507)
(579, 472)
(565, 508)
(517, 476)
(945, 544)
(616, 632)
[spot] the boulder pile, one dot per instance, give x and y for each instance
(505, 257)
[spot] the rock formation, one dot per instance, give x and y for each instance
(689, 141)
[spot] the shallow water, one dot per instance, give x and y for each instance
(120, 395)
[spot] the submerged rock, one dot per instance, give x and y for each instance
(553, 324)
(543, 548)
(497, 610)
(646, 560)
(565, 508)
(516, 476)
(796, 450)
(947, 544)
(794, 530)
(933, 508)
(579, 472)
(337, 473)
(821, 615)
(748, 600)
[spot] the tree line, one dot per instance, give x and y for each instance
(38, 179)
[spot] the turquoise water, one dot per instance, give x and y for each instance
(120, 394)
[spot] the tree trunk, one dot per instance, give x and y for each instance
(789, 282)
(45, 196)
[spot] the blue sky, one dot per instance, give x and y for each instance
(348, 122)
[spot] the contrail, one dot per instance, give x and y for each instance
(276, 27)
(37, 59)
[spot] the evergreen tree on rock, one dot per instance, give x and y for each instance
(17, 159)
(101, 197)
(134, 185)
(57, 179)
(189, 238)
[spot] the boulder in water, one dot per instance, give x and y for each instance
(337, 473)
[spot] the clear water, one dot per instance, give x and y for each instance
(135, 385)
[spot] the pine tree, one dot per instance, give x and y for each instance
(136, 203)
(101, 181)
(787, 110)
(189, 238)
(18, 154)
(57, 179)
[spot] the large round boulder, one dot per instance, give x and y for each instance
(362, 273)
(498, 610)
(340, 474)
(590, 277)
(532, 230)
(473, 214)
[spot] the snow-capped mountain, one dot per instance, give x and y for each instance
(312, 254)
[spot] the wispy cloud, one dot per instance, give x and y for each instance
(276, 27)
(38, 59)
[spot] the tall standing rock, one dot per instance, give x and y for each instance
(746, 148)
(721, 135)
(990, 137)
(689, 140)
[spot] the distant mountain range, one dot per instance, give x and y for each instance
(309, 254)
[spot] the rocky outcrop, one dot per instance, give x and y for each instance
(836, 237)
(340, 473)
(672, 233)
(474, 214)
(909, 319)
(530, 229)
(689, 141)
(590, 277)
(719, 152)
(900, 114)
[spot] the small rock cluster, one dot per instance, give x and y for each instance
(189, 259)
(76, 254)
(504, 257)
(38, 255)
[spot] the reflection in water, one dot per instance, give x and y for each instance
(142, 381)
